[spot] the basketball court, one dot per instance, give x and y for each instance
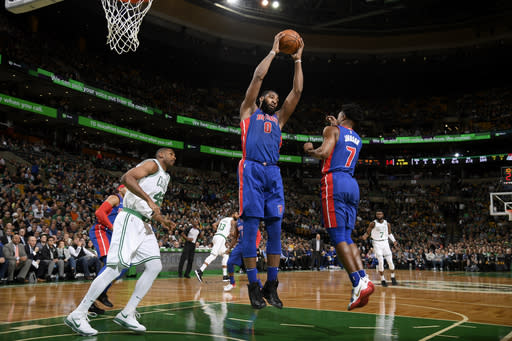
(424, 306)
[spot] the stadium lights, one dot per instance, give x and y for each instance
(275, 4)
(264, 3)
(232, 2)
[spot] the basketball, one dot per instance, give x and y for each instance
(290, 42)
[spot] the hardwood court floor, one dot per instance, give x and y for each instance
(424, 306)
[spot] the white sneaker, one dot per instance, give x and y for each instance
(229, 287)
(79, 322)
(129, 321)
(361, 293)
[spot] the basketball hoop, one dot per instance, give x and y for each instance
(123, 20)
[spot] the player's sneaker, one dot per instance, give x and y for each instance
(199, 275)
(255, 296)
(79, 322)
(225, 278)
(96, 310)
(269, 291)
(383, 283)
(129, 321)
(361, 293)
(229, 287)
(393, 281)
(103, 298)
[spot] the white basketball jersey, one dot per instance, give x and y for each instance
(380, 230)
(224, 227)
(155, 185)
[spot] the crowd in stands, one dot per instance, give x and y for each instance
(426, 116)
(48, 200)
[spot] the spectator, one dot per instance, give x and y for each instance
(17, 259)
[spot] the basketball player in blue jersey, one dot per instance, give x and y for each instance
(340, 195)
(235, 256)
(101, 235)
(261, 193)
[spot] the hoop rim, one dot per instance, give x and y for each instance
(133, 1)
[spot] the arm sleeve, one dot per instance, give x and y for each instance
(102, 214)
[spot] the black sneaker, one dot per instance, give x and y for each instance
(269, 291)
(393, 281)
(103, 298)
(187, 276)
(95, 309)
(255, 296)
(225, 278)
(383, 283)
(199, 275)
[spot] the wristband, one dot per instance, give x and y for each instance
(272, 52)
(298, 61)
(392, 238)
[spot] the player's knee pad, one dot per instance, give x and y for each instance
(225, 259)
(380, 266)
(274, 236)
(389, 259)
(231, 268)
(249, 240)
(154, 266)
(210, 258)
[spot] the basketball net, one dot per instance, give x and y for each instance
(124, 18)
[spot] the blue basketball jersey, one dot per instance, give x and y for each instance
(261, 137)
(115, 210)
(345, 153)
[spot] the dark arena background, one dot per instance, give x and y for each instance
(433, 79)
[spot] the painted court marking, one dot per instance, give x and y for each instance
(298, 325)
(235, 319)
(507, 337)
(147, 332)
(366, 327)
(418, 327)
(13, 329)
(438, 333)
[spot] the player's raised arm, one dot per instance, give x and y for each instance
(130, 180)
(290, 103)
(249, 104)
(330, 135)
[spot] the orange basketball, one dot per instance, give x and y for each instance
(290, 42)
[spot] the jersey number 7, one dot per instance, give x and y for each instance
(352, 151)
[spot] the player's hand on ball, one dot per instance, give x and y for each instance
(298, 55)
(332, 120)
(278, 37)
(308, 146)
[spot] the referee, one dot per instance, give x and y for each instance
(190, 235)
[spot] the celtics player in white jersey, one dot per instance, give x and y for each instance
(133, 241)
(380, 231)
(224, 228)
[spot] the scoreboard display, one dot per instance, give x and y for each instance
(506, 175)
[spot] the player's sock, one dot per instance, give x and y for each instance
(259, 283)
(354, 278)
(271, 273)
(362, 273)
(225, 259)
(252, 275)
(392, 275)
(97, 286)
(153, 268)
(125, 270)
(382, 278)
(203, 267)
